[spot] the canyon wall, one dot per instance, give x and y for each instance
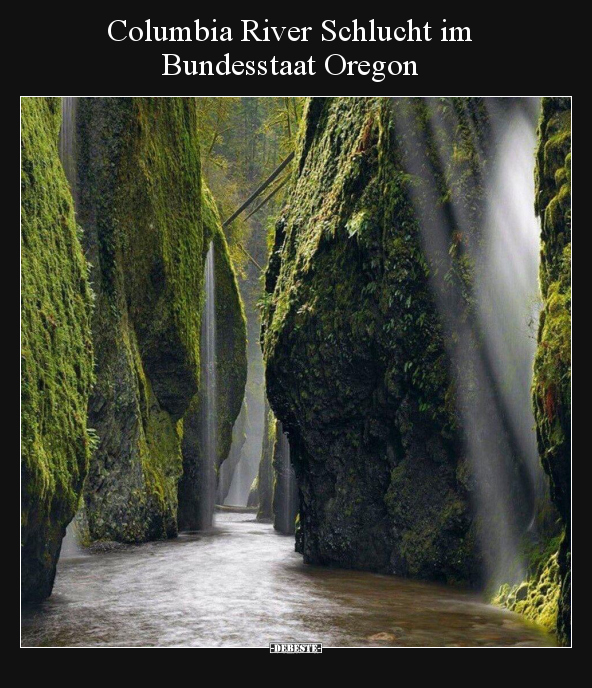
(265, 475)
(148, 221)
(357, 364)
(552, 371)
(545, 595)
(56, 356)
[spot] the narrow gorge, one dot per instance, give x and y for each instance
(273, 347)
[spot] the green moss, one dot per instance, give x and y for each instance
(231, 324)
(536, 598)
(141, 208)
(57, 360)
(552, 369)
(356, 355)
(265, 480)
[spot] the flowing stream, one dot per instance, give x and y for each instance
(242, 584)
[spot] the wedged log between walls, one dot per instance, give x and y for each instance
(57, 361)
(357, 362)
(552, 368)
(231, 373)
(140, 204)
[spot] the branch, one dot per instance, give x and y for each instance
(259, 190)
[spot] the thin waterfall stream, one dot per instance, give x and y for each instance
(209, 395)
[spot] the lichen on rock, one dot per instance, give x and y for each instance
(57, 352)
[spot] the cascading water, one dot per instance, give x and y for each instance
(209, 397)
(499, 447)
(67, 142)
(507, 288)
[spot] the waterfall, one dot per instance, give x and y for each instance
(209, 425)
(507, 288)
(492, 353)
(67, 142)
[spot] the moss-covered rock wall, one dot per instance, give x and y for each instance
(552, 370)
(356, 353)
(231, 372)
(265, 475)
(275, 485)
(57, 361)
(140, 199)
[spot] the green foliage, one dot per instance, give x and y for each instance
(242, 141)
(57, 360)
(552, 368)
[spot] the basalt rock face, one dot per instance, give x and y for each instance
(57, 360)
(552, 371)
(357, 365)
(285, 488)
(140, 198)
(277, 489)
(231, 374)
(265, 475)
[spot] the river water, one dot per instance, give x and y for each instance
(243, 585)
